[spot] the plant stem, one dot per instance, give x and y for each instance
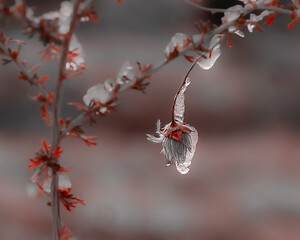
(56, 116)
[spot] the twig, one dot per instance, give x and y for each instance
(213, 10)
(55, 128)
(30, 76)
(222, 10)
(165, 61)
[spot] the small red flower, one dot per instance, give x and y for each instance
(68, 200)
(46, 102)
(57, 152)
(65, 234)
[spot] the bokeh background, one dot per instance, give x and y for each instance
(244, 182)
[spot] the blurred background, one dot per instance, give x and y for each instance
(244, 182)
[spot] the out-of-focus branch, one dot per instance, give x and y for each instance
(24, 14)
(30, 76)
(223, 10)
(55, 127)
(213, 10)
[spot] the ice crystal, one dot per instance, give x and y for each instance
(98, 92)
(127, 73)
(209, 59)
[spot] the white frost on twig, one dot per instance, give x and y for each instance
(178, 42)
(209, 59)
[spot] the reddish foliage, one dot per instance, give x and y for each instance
(46, 102)
(51, 52)
(77, 131)
(189, 58)
(259, 28)
(57, 152)
(139, 83)
(229, 43)
(270, 20)
(69, 200)
(23, 76)
(292, 23)
(65, 234)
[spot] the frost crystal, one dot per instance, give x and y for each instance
(98, 92)
(232, 14)
(63, 16)
(209, 59)
(127, 73)
(256, 18)
(178, 42)
(179, 102)
(78, 60)
(65, 13)
(63, 183)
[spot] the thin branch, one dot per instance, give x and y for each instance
(30, 75)
(56, 113)
(223, 10)
(221, 29)
(213, 10)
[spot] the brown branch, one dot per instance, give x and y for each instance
(56, 114)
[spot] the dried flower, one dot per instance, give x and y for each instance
(178, 138)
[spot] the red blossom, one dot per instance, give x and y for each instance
(57, 152)
(51, 52)
(46, 102)
(65, 234)
(46, 146)
(44, 160)
(69, 200)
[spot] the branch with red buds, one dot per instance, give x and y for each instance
(56, 31)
